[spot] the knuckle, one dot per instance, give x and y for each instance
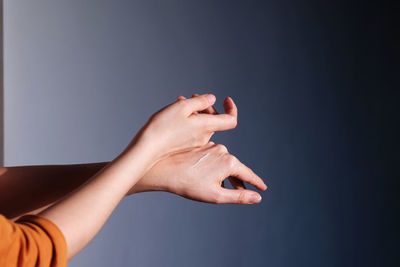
(218, 198)
(204, 101)
(241, 197)
(221, 148)
(230, 160)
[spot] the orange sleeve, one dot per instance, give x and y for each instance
(31, 241)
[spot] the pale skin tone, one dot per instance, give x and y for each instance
(189, 166)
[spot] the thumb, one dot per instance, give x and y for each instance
(238, 196)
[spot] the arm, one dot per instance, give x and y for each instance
(35, 188)
(31, 189)
(197, 174)
(81, 214)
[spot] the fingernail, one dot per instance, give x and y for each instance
(211, 98)
(255, 198)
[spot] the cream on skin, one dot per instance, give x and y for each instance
(200, 160)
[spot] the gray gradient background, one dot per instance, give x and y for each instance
(316, 97)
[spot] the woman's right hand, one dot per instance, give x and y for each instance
(180, 126)
(198, 174)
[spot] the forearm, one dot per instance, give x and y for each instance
(81, 214)
(30, 189)
(24, 189)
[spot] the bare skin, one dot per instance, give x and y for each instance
(29, 189)
(156, 163)
(174, 174)
(46, 184)
(199, 174)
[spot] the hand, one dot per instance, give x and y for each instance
(180, 126)
(198, 174)
(229, 107)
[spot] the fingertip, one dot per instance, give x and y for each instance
(229, 99)
(255, 198)
(180, 98)
(211, 98)
(262, 186)
(230, 106)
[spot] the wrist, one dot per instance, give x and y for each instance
(155, 179)
(148, 144)
(148, 184)
(138, 157)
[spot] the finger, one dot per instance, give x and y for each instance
(230, 107)
(198, 103)
(196, 112)
(209, 110)
(236, 183)
(222, 122)
(219, 122)
(244, 173)
(180, 98)
(238, 196)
